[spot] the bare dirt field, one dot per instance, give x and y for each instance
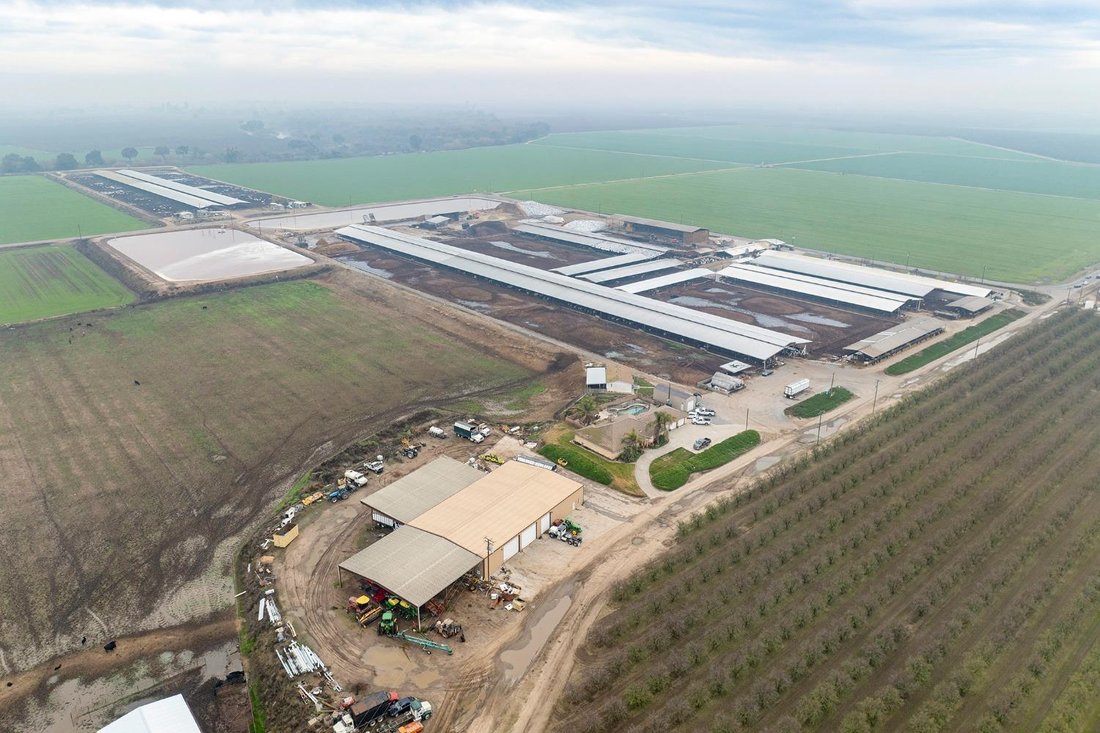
(632, 347)
(830, 329)
(138, 445)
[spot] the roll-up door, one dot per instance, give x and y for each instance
(528, 536)
(383, 519)
(511, 547)
(544, 523)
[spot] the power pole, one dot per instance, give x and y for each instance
(488, 552)
(831, 382)
(874, 403)
(746, 418)
(819, 417)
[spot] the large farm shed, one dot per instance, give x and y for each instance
(827, 291)
(650, 227)
(592, 240)
(170, 715)
(665, 319)
(885, 344)
(606, 263)
(902, 283)
(448, 533)
(192, 196)
(410, 496)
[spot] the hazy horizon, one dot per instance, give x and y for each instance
(970, 58)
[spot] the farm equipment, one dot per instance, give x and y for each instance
(448, 628)
(338, 495)
(437, 432)
(408, 449)
(314, 497)
(387, 626)
(364, 611)
(493, 458)
(566, 530)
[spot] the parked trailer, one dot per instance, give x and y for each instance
(468, 431)
(794, 389)
(437, 432)
(372, 708)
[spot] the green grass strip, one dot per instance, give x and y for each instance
(672, 470)
(959, 340)
(579, 461)
(819, 404)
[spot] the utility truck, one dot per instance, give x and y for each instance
(469, 432)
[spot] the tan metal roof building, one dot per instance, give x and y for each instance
(889, 342)
(499, 506)
(410, 496)
(412, 564)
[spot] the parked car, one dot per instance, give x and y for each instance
(767, 372)
(701, 444)
(400, 706)
(706, 412)
(701, 421)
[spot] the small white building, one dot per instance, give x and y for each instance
(595, 377)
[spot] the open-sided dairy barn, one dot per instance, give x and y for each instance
(180, 193)
(708, 331)
(453, 525)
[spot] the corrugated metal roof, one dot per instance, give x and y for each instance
(410, 496)
(721, 333)
(686, 228)
(170, 715)
(595, 375)
(217, 198)
(772, 279)
(891, 339)
(498, 506)
(587, 239)
(413, 564)
(606, 263)
(861, 289)
(664, 281)
(874, 277)
(162, 191)
(641, 268)
(971, 304)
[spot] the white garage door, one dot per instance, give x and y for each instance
(511, 547)
(544, 523)
(528, 536)
(383, 519)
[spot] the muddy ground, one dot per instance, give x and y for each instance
(629, 346)
(531, 251)
(830, 329)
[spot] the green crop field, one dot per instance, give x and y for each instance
(1031, 176)
(868, 142)
(1014, 237)
(393, 177)
(733, 151)
(34, 208)
(39, 282)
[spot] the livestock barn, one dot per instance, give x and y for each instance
(681, 233)
(448, 525)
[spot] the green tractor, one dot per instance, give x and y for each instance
(388, 625)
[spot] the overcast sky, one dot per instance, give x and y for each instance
(810, 54)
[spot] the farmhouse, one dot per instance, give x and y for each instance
(447, 529)
(681, 233)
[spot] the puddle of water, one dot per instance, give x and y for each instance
(360, 265)
(390, 662)
(763, 464)
(425, 678)
(612, 354)
(635, 347)
(762, 319)
(819, 320)
(534, 253)
(518, 661)
(472, 304)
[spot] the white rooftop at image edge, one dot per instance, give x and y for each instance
(170, 715)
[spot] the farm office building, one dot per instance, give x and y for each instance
(444, 531)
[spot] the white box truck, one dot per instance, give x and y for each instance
(794, 389)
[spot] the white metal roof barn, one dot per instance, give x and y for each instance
(883, 344)
(481, 526)
(874, 277)
(825, 290)
(606, 263)
(170, 715)
(587, 239)
(410, 496)
(621, 273)
(664, 281)
(198, 198)
(666, 319)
